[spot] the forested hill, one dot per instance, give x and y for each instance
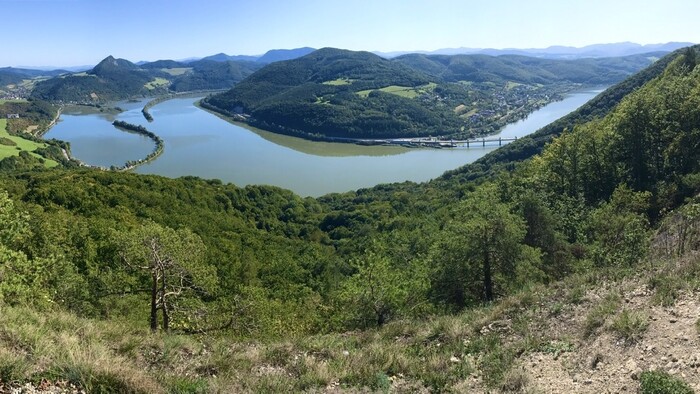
(12, 75)
(340, 93)
(111, 79)
(523, 69)
(117, 79)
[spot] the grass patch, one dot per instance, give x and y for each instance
(674, 279)
(402, 91)
(657, 382)
(3, 101)
(156, 83)
(176, 71)
(510, 85)
(598, 315)
(339, 82)
(630, 325)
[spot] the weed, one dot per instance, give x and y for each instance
(657, 382)
(515, 381)
(666, 288)
(597, 316)
(184, 385)
(630, 325)
(556, 348)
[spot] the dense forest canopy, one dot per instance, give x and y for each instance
(278, 264)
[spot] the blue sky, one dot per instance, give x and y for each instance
(82, 32)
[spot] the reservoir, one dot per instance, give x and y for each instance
(202, 144)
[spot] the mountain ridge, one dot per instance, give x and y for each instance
(555, 51)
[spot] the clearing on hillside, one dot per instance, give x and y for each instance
(403, 91)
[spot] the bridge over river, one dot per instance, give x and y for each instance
(433, 142)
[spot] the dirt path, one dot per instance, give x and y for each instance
(605, 364)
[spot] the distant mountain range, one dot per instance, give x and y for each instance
(13, 75)
(556, 52)
(114, 79)
(274, 55)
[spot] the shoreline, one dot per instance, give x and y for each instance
(437, 142)
(127, 127)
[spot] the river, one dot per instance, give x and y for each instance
(202, 144)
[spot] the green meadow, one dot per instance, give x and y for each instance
(20, 144)
(176, 71)
(156, 83)
(403, 91)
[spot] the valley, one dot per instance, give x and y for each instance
(245, 259)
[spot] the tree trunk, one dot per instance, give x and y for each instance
(154, 305)
(164, 306)
(488, 282)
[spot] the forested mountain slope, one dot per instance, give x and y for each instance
(523, 69)
(338, 93)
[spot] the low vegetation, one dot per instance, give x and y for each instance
(655, 382)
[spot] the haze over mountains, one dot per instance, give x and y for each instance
(556, 51)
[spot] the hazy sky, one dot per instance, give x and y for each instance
(82, 32)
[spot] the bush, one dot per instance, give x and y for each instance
(597, 316)
(656, 382)
(630, 326)
(7, 141)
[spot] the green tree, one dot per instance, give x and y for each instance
(480, 253)
(380, 290)
(174, 263)
(24, 279)
(619, 229)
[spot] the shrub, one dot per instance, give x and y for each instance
(630, 326)
(7, 141)
(656, 382)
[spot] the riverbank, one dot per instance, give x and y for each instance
(439, 142)
(199, 144)
(146, 108)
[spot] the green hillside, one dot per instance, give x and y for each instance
(211, 75)
(463, 284)
(530, 70)
(118, 79)
(338, 93)
(111, 79)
